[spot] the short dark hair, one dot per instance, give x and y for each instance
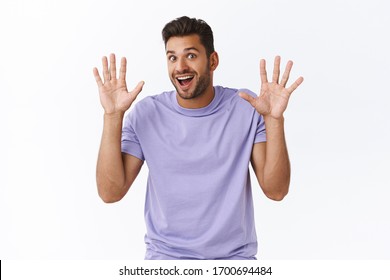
(183, 26)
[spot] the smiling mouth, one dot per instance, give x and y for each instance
(185, 80)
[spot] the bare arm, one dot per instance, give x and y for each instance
(271, 163)
(114, 172)
(270, 160)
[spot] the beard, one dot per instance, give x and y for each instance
(200, 87)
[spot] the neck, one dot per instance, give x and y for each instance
(198, 102)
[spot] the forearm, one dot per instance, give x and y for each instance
(110, 175)
(277, 165)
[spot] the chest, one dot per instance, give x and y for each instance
(176, 143)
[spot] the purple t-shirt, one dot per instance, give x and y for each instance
(198, 199)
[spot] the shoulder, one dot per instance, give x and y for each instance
(151, 102)
(231, 96)
(147, 107)
(228, 93)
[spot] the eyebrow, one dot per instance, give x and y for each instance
(185, 50)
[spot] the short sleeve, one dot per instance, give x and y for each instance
(130, 143)
(260, 130)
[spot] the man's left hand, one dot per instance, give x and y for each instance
(274, 96)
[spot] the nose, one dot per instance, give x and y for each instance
(181, 65)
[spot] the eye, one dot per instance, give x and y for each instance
(172, 58)
(191, 56)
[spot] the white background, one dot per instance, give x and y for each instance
(336, 124)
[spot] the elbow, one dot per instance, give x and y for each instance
(276, 193)
(276, 189)
(107, 195)
(109, 199)
(276, 196)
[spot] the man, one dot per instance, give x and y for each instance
(197, 141)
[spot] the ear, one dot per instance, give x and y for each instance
(214, 60)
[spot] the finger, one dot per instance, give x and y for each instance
(263, 72)
(137, 89)
(295, 85)
(286, 73)
(276, 73)
(247, 97)
(122, 71)
(97, 77)
(112, 66)
(106, 74)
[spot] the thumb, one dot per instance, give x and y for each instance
(247, 97)
(137, 89)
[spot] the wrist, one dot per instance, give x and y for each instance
(272, 122)
(114, 114)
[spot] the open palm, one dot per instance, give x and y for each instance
(274, 96)
(113, 92)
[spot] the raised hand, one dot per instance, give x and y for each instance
(114, 96)
(274, 96)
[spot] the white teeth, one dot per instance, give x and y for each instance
(185, 77)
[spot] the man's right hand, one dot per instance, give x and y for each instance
(114, 96)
